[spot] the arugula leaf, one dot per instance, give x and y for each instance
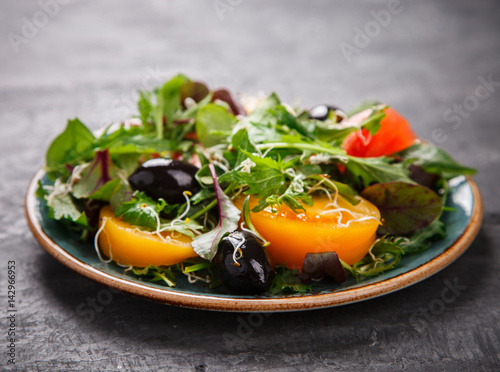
(205, 245)
(265, 112)
(434, 160)
(304, 127)
(72, 146)
(261, 123)
(213, 124)
(288, 281)
(141, 210)
(291, 198)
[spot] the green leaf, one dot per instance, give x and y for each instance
(132, 140)
(145, 107)
(185, 227)
(265, 112)
(105, 192)
(404, 207)
(141, 211)
(157, 274)
(291, 198)
(288, 281)
(169, 102)
(262, 181)
(96, 175)
(330, 132)
(261, 123)
(61, 205)
(121, 193)
(72, 146)
(303, 127)
(435, 160)
(385, 255)
(241, 142)
(367, 171)
(211, 119)
(422, 239)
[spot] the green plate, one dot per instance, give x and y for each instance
(462, 225)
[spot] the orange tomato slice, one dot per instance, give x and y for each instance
(395, 134)
(130, 246)
(350, 231)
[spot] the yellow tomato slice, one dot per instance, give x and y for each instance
(349, 231)
(130, 246)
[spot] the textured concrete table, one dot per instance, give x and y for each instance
(87, 59)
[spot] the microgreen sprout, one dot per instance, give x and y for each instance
(96, 243)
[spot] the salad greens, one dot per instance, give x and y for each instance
(278, 154)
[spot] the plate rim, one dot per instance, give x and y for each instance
(241, 304)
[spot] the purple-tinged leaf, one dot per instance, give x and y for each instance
(205, 245)
(404, 207)
(226, 96)
(420, 176)
(195, 90)
(98, 173)
(317, 265)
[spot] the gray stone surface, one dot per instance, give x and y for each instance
(87, 59)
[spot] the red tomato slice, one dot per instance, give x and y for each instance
(395, 134)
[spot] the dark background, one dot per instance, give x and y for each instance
(87, 59)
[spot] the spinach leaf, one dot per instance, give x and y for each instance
(141, 211)
(71, 147)
(213, 124)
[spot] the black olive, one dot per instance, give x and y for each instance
(321, 112)
(243, 263)
(165, 178)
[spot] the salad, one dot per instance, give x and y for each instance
(251, 194)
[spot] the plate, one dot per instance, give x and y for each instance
(462, 223)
